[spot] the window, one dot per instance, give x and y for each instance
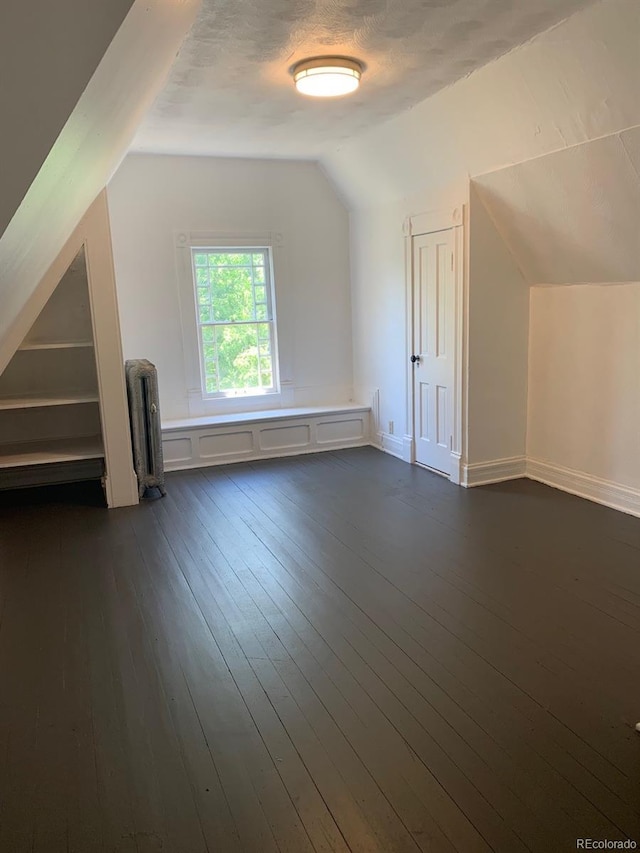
(235, 317)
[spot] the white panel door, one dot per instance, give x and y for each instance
(434, 348)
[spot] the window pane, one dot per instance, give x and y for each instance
(232, 299)
(237, 357)
(234, 259)
(209, 355)
(238, 361)
(265, 369)
(231, 293)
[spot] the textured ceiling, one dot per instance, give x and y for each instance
(230, 93)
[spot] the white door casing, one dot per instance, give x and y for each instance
(434, 348)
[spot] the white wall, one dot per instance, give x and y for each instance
(378, 305)
(498, 323)
(568, 86)
(152, 197)
(584, 388)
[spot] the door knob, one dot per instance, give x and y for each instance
(415, 358)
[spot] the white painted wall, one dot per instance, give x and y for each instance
(498, 324)
(378, 306)
(565, 88)
(153, 197)
(584, 393)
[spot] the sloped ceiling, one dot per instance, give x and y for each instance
(574, 215)
(90, 147)
(571, 84)
(48, 52)
(230, 92)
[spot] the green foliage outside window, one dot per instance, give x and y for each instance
(235, 320)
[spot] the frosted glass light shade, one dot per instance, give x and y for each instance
(327, 76)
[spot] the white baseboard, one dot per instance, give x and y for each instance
(197, 443)
(390, 444)
(584, 485)
(494, 471)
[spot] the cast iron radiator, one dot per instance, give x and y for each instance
(144, 412)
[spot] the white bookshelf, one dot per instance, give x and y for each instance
(39, 401)
(49, 402)
(51, 451)
(29, 347)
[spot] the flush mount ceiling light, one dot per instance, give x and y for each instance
(327, 76)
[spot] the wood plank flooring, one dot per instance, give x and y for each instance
(336, 652)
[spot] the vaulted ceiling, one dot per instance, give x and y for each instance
(230, 92)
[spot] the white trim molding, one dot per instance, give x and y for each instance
(623, 498)
(199, 403)
(390, 444)
(222, 439)
(432, 220)
(606, 492)
(493, 471)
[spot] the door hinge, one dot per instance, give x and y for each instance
(451, 261)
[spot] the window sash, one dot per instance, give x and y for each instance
(216, 324)
(250, 251)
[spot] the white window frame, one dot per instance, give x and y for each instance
(258, 391)
(199, 402)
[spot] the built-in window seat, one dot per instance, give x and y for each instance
(218, 439)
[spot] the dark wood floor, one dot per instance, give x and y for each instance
(331, 653)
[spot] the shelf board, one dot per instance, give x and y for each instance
(40, 345)
(36, 401)
(53, 450)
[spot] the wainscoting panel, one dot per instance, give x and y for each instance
(176, 449)
(226, 444)
(285, 437)
(337, 431)
(198, 442)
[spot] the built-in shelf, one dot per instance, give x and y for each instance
(44, 345)
(36, 401)
(51, 451)
(49, 414)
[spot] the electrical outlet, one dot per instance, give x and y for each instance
(390, 430)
